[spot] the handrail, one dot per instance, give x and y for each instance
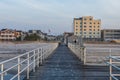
(79, 51)
(114, 62)
(115, 78)
(32, 58)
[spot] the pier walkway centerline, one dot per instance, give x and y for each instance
(64, 65)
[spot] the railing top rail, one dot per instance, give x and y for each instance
(103, 48)
(115, 57)
(114, 77)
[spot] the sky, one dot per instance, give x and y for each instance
(56, 16)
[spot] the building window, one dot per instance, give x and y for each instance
(76, 33)
(90, 19)
(90, 29)
(76, 29)
(94, 22)
(80, 29)
(84, 26)
(90, 22)
(84, 22)
(76, 26)
(10, 36)
(80, 32)
(90, 36)
(80, 22)
(98, 26)
(85, 19)
(80, 26)
(90, 32)
(98, 23)
(94, 29)
(84, 29)
(98, 29)
(76, 22)
(90, 26)
(84, 32)
(94, 26)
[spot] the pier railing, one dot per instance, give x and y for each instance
(93, 56)
(26, 62)
(114, 67)
(79, 51)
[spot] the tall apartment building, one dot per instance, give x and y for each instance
(87, 27)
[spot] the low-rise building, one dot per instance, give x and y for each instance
(9, 34)
(50, 37)
(110, 34)
(66, 35)
(38, 32)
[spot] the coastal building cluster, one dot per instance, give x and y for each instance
(89, 29)
(13, 35)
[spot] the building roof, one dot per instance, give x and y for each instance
(77, 18)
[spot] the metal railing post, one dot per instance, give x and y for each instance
(84, 52)
(38, 58)
(41, 54)
(43, 51)
(18, 68)
(34, 61)
(28, 64)
(81, 53)
(2, 69)
(110, 61)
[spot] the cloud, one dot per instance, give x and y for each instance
(59, 13)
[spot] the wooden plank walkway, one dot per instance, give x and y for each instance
(64, 65)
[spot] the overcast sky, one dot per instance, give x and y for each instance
(56, 15)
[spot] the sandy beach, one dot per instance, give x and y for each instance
(97, 53)
(9, 50)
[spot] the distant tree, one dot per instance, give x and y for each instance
(32, 37)
(18, 39)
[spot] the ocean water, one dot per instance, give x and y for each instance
(9, 76)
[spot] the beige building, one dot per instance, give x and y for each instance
(9, 34)
(87, 27)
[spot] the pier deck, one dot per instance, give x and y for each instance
(64, 65)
